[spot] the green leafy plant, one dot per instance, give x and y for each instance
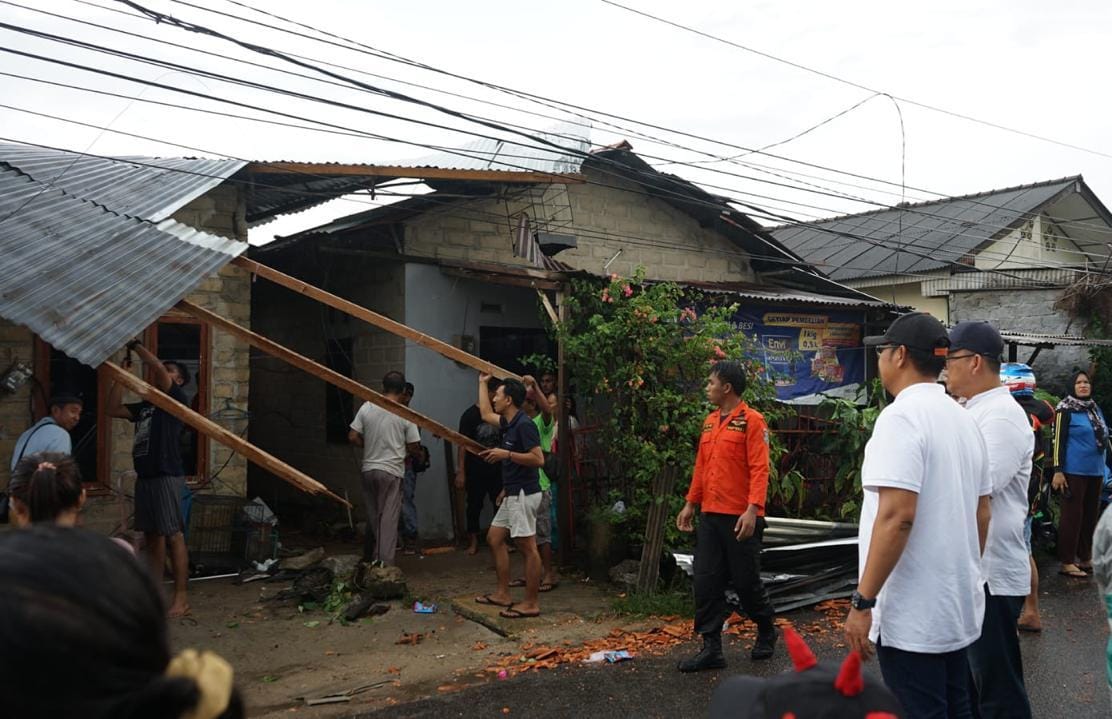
(851, 425)
(640, 352)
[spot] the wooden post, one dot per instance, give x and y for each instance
(381, 321)
(564, 506)
(213, 431)
(332, 377)
(649, 573)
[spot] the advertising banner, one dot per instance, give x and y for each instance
(806, 351)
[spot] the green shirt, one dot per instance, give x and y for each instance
(546, 430)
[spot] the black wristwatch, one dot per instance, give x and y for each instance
(859, 602)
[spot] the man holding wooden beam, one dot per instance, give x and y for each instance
(161, 474)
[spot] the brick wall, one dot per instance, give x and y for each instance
(288, 405)
(670, 244)
(15, 346)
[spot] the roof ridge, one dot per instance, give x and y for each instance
(926, 203)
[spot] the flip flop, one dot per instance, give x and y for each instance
(1074, 573)
(548, 586)
(1088, 570)
(487, 601)
(512, 613)
(516, 583)
(1029, 628)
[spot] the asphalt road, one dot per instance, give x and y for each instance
(1064, 668)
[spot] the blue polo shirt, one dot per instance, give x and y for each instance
(519, 435)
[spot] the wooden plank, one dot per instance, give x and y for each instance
(332, 377)
(565, 518)
(663, 486)
(501, 279)
(397, 328)
(316, 169)
(213, 431)
(548, 307)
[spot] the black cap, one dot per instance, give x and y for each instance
(917, 330)
(979, 337)
(63, 398)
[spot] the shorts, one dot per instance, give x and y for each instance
(1027, 532)
(158, 505)
(544, 518)
(518, 514)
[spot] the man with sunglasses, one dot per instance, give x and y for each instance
(973, 372)
(924, 518)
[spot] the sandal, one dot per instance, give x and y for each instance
(487, 601)
(512, 613)
(516, 583)
(547, 586)
(1076, 572)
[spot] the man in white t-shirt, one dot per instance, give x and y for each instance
(385, 438)
(924, 520)
(973, 372)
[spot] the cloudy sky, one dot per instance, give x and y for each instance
(1020, 64)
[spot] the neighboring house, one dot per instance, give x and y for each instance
(459, 264)
(1003, 256)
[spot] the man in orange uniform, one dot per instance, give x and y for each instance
(729, 486)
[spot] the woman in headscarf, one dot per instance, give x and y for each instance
(1080, 447)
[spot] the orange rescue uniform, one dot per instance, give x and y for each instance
(731, 469)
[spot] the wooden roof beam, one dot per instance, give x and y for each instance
(330, 376)
(381, 321)
(215, 432)
(317, 169)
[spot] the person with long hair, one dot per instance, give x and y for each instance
(46, 487)
(1080, 453)
(83, 634)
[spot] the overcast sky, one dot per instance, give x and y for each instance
(1024, 64)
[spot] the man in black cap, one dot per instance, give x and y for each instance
(924, 519)
(973, 372)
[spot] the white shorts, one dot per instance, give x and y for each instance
(518, 514)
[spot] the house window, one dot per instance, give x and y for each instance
(339, 406)
(186, 341)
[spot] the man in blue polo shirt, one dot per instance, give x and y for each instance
(52, 432)
(521, 456)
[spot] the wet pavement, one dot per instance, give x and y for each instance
(1064, 668)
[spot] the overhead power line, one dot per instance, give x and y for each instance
(859, 86)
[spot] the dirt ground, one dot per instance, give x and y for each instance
(283, 657)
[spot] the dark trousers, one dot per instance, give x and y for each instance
(930, 686)
(996, 664)
(720, 562)
(1079, 519)
(479, 488)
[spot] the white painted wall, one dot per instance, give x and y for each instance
(442, 306)
(1025, 247)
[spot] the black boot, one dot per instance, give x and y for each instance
(710, 657)
(766, 640)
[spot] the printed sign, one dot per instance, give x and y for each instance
(806, 352)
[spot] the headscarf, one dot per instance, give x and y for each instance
(1073, 403)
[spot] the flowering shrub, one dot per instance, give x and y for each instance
(640, 353)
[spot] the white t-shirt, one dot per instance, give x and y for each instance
(933, 601)
(385, 436)
(1010, 444)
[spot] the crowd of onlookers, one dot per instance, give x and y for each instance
(951, 477)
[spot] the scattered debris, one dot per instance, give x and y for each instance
(343, 566)
(344, 696)
(364, 606)
(478, 646)
(303, 561)
(422, 608)
(412, 639)
(624, 574)
(380, 582)
(312, 585)
(313, 624)
(436, 550)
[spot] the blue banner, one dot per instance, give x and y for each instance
(805, 351)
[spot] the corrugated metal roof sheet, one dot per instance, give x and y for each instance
(935, 234)
(150, 188)
(1035, 340)
(786, 296)
(85, 279)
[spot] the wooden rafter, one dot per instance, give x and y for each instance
(381, 321)
(332, 377)
(316, 169)
(213, 431)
